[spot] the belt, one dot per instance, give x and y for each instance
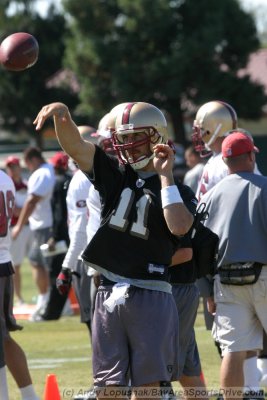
(105, 281)
(240, 265)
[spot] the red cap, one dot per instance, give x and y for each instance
(237, 143)
(12, 160)
(60, 160)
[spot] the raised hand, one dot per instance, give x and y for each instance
(59, 110)
(164, 159)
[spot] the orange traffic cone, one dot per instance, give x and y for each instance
(51, 391)
(202, 378)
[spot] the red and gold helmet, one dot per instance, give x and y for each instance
(213, 119)
(136, 118)
(105, 129)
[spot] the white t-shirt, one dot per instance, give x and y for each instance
(193, 176)
(214, 171)
(7, 201)
(21, 196)
(93, 204)
(77, 217)
(41, 183)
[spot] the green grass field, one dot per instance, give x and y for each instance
(63, 348)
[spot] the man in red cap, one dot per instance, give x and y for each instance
(60, 161)
(19, 246)
(237, 209)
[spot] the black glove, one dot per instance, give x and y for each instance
(63, 281)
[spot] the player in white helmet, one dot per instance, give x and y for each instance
(140, 208)
(212, 123)
(77, 220)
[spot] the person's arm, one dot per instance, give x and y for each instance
(26, 211)
(77, 243)
(182, 255)
(177, 216)
(68, 134)
(77, 218)
(211, 305)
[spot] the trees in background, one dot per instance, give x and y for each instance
(171, 53)
(23, 93)
(175, 54)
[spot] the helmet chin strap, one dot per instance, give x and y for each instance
(214, 136)
(142, 163)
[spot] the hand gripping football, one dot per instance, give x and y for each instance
(19, 51)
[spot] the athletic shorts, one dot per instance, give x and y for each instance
(2, 357)
(82, 288)
(263, 353)
(240, 315)
(138, 340)
(40, 236)
(20, 246)
(186, 297)
(8, 321)
(205, 287)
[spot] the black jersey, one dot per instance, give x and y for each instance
(133, 239)
(186, 272)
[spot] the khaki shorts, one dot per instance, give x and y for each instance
(241, 314)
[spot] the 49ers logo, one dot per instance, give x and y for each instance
(80, 203)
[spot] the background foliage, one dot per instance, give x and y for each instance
(175, 54)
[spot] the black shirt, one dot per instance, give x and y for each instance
(133, 239)
(59, 208)
(186, 272)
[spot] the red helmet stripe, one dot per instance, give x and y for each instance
(231, 111)
(126, 113)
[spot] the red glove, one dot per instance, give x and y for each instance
(63, 281)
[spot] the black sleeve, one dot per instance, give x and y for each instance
(106, 170)
(188, 197)
(59, 208)
(185, 241)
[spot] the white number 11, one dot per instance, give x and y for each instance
(119, 219)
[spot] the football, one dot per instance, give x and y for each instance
(19, 51)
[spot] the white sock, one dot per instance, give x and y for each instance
(28, 393)
(42, 299)
(3, 384)
(251, 374)
(262, 367)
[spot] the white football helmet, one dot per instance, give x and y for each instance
(138, 117)
(213, 119)
(103, 135)
(105, 129)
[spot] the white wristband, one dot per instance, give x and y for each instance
(170, 195)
